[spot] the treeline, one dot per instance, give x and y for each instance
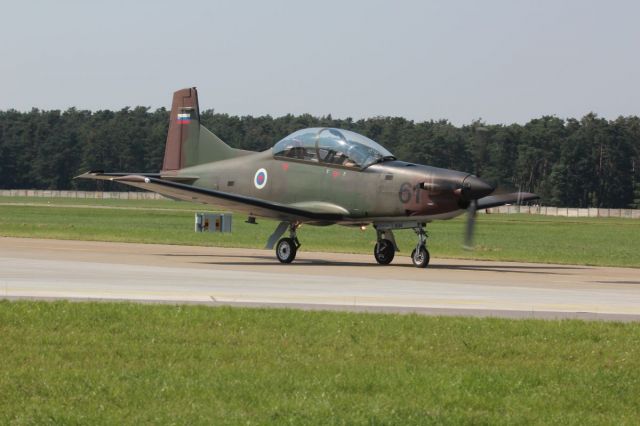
(591, 162)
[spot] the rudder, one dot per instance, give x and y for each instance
(188, 142)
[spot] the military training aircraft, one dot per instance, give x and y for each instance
(317, 176)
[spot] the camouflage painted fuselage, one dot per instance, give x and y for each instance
(320, 176)
(388, 191)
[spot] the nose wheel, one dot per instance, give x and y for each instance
(420, 255)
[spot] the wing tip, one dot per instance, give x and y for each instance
(91, 174)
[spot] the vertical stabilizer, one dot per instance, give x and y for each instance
(188, 142)
(184, 128)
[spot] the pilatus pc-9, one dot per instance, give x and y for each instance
(316, 176)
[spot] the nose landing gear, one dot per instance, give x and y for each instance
(420, 255)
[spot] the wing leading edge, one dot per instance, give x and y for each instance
(502, 199)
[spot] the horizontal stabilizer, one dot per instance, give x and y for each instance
(100, 175)
(133, 177)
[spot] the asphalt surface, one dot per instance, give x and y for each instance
(80, 270)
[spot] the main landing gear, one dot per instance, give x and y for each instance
(287, 247)
(386, 246)
(384, 251)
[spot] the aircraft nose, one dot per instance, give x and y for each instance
(474, 188)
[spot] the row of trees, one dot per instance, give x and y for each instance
(588, 162)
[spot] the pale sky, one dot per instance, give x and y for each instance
(502, 61)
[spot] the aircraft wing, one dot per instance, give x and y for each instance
(173, 187)
(502, 199)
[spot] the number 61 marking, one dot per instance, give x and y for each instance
(407, 192)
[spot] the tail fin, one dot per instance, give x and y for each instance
(188, 142)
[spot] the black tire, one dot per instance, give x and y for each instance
(384, 252)
(286, 250)
(421, 258)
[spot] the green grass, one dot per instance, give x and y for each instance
(110, 363)
(588, 241)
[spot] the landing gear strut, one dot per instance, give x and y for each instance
(287, 247)
(386, 245)
(420, 255)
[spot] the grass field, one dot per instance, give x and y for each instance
(89, 363)
(612, 242)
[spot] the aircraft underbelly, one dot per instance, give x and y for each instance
(421, 218)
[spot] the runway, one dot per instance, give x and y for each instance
(81, 270)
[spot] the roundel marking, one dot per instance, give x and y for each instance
(260, 178)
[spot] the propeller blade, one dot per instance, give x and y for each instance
(471, 223)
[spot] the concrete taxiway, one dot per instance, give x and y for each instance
(53, 269)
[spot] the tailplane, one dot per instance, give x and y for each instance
(188, 142)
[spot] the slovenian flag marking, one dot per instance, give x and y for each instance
(184, 118)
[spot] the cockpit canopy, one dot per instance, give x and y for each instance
(331, 146)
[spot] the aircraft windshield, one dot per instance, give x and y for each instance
(331, 146)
